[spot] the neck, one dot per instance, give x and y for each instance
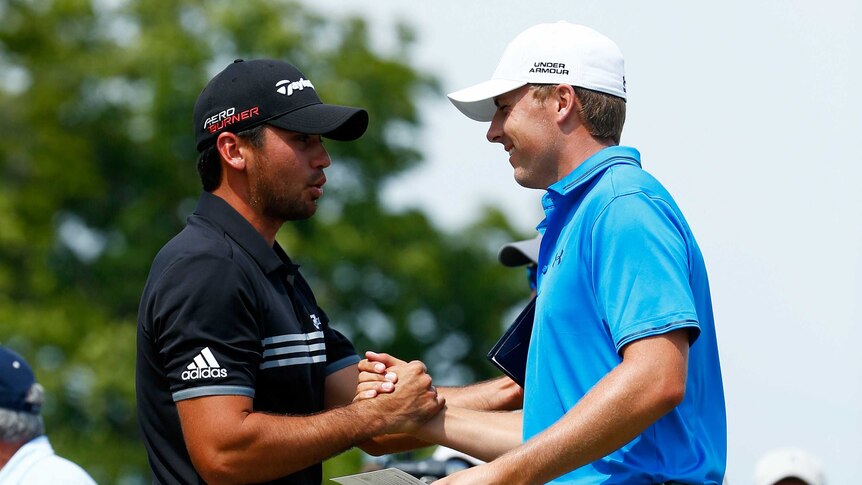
(579, 152)
(7, 450)
(264, 225)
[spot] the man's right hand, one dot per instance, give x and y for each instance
(407, 406)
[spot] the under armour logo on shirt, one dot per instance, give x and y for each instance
(558, 259)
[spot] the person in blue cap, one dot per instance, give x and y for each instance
(523, 253)
(26, 455)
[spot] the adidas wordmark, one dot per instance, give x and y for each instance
(204, 365)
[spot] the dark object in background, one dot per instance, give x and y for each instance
(509, 354)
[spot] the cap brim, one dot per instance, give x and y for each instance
(342, 123)
(520, 253)
(778, 476)
(477, 102)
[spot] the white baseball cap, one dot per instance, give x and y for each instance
(553, 53)
(788, 463)
(520, 253)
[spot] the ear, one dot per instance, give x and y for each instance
(567, 103)
(231, 150)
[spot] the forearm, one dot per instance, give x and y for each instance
(483, 434)
(486, 434)
(262, 446)
(618, 408)
(392, 443)
(500, 394)
(230, 443)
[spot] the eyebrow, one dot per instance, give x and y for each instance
(497, 98)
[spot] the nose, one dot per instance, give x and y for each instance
(321, 158)
(495, 131)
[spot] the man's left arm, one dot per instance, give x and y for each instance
(646, 385)
(498, 394)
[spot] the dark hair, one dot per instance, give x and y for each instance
(603, 114)
(209, 161)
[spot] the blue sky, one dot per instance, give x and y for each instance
(747, 112)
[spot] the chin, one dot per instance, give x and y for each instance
(525, 181)
(295, 213)
(305, 214)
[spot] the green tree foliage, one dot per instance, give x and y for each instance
(97, 173)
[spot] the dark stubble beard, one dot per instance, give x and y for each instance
(274, 197)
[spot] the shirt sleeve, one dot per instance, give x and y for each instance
(640, 269)
(206, 334)
(340, 353)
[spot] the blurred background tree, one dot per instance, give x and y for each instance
(98, 173)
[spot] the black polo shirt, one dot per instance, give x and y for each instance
(223, 313)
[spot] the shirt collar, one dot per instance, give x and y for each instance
(583, 174)
(269, 258)
(25, 458)
(586, 171)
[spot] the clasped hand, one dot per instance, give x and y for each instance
(405, 386)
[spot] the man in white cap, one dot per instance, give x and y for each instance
(623, 382)
(789, 466)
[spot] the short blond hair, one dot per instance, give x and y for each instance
(603, 114)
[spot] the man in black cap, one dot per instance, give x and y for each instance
(240, 378)
(26, 455)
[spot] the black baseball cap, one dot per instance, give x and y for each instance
(248, 93)
(16, 379)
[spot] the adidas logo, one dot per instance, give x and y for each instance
(204, 365)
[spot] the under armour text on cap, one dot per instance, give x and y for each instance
(16, 380)
(553, 53)
(248, 93)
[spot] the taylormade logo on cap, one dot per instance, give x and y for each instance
(555, 53)
(287, 88)
(246, 94)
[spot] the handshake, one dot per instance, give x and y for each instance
(403, 394)
(400, 399)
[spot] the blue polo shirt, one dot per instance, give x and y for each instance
(618, 263)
